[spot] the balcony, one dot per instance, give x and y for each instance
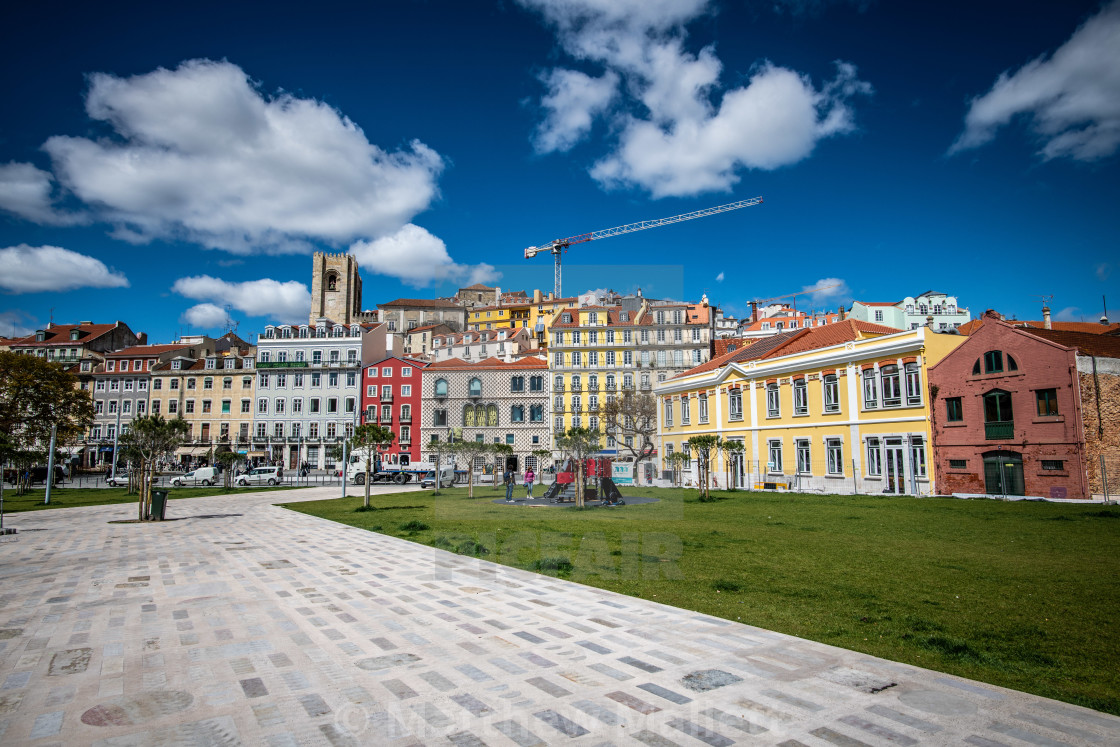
(386, 419)
(999, 429)
(646, 386)
(405, 419)
(388, 398)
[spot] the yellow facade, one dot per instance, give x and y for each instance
(850, 417)
(216, 402)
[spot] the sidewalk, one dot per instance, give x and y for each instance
(244, 623)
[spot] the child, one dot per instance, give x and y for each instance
(529, 484)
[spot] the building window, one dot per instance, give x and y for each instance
(686, 411)
(1047, 402)
(892, 389)
(246, 405)
(773, 403)
(1053, 464)
(475, 388)
(913, 384)
(800, 397)
(804, 462)
(870, 389)
(703, 408)
(878, 315)
(775, 451)
(918, 457)
(874, 458)
(831, 393)
(958, 463)
(517, 413)
(669, 412)
(188, 406)
(735, 404)
(834, 451)
(993, 361)
(998, 415)
(517, 384)
(206, 406)
(954, 410)
(536, 413)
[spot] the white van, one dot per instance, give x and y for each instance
(446, 477)
(202, 476)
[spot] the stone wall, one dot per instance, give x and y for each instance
(1100, 407)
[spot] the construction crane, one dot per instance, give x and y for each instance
(557, 246)
(759, 301)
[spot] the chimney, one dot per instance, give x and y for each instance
(537, 295)
(1046, 318)
(929, 321)
(842, 314)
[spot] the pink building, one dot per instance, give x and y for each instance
(1025, 412)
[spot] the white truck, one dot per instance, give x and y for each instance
(398, 473)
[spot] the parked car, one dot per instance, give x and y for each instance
(201, 476)
(120, 479)
(447, 478)
(261, 476)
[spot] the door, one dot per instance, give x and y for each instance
(511, 463)
(737, 479)
(1003, 473)
(893, 471)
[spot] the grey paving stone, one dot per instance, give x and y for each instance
(320, 649)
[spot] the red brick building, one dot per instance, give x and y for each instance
(391, 399)
(1011, 412)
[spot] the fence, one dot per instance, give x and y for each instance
(902, 473)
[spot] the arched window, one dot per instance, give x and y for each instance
(468, 416)
(492, 415)
(993, 361)
(441, 387)
(332, 281)
(476, 387)
(517, 414)
(480, 415)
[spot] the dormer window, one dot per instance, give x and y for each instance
(230, 363)
(74, 334)
(176, 365)
(624, 316)
(40, 335)
(211, 363)
(566, 318)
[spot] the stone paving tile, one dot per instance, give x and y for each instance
(244, 623)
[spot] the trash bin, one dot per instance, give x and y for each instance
(159, 504)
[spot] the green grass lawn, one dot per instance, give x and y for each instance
(69, 497)
(1023, 595)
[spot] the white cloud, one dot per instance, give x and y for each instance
(14, 323)
(571, 105)
(1072, 98)
(1069, 314)
(416, 257)
(1103, 270)
(719, 278)
(284, 302)
(828, 290)
(34, 269)
(27, 191)
(679, 133)
(205, 315)
(202, 154)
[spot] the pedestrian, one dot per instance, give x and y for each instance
(509, 484)
(529, 484)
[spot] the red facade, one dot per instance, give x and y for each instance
(1006, 416)
(391, 399)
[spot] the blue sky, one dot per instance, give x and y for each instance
(162, 165)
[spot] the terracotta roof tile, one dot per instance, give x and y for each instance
(139, 351)
(1094, 328)
(757, 349)
(427, 303)
(834, 334)
(1086, 343)
(59, 334)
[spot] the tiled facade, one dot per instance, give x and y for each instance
(491, 401)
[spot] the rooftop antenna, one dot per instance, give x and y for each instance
(1104, 304)
(231, 325)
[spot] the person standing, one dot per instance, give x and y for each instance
(509, 484)
(529, 483)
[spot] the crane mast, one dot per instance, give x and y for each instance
(556, 247)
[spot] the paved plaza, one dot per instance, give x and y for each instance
(244, 623)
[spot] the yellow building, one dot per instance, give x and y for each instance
(214, 394)
(836, 409)
(517, 310)
(596, 352)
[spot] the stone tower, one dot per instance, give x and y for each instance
(336, 288)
